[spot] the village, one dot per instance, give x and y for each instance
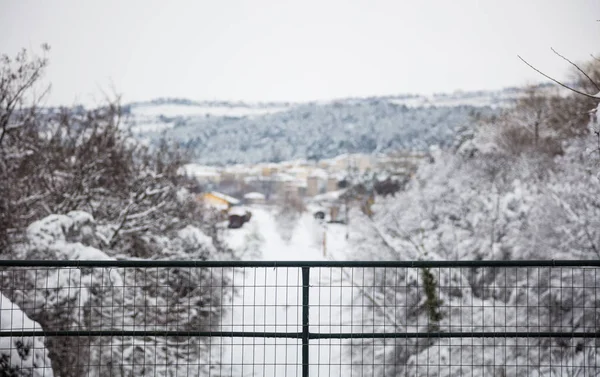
(327, 187)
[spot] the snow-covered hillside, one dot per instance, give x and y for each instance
(233, 132)
(224, 133)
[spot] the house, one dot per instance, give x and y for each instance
(203, 174)
(332, 184)
(219, 200)
(269, 170)
(312, 186)
(316, 182)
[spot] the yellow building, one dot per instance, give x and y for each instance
(269, 170)
(219, 201)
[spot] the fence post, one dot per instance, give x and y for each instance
(305, 318)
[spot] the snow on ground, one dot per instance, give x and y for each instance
(21, 356)
(271, 299)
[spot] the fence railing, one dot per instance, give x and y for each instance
(286, 318)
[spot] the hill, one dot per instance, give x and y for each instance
(222, 132)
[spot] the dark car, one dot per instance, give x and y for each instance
(237, 220)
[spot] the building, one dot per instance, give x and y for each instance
(364, 162)
(331, 204)
(312, 186)
(268, 170)
(358, 161)
(219, 200)
(300, 172)
(203, 174)
(316, 182)
(332, 184)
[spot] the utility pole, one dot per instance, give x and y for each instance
(347, 210)
(324, 239)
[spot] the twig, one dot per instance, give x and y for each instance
(373, 300)
(558, 82)
(578, 68)
(4, 129)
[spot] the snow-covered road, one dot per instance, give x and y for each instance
(271, 299)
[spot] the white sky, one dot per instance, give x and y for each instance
(261, 50)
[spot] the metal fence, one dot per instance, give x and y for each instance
(238, 318)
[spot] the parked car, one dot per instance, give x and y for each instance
(238, 216)
(319, 215)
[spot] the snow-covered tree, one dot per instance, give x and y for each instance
(489, 198)
(76, 186)
(117, 299)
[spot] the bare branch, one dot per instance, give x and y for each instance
(558, 82)
(380, 307)
(4, 130)
(578, 68)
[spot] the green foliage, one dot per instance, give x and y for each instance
(433, 303)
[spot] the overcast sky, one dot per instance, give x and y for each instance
(261, 50)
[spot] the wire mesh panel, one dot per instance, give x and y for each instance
(119, 321)
(181, 318)
(269, 305)
(425, 321)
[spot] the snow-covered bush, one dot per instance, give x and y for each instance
(121, 299)
(21, 356)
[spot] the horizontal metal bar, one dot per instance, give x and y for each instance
(476, 334)
(153, 333)
(298, 335)
(275, 264)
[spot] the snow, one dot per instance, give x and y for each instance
(218, 207)
(304, 131)
(229, 199)
(271, 300)
(494, 99)
(151, 126)
(25, 356)
(329, 196)
(319, 173)
(238, 210)
(192, 235)
(254, 196)
(284, 177)
(196, 170)
(47, 231)
(77, 251)
(296, 170)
